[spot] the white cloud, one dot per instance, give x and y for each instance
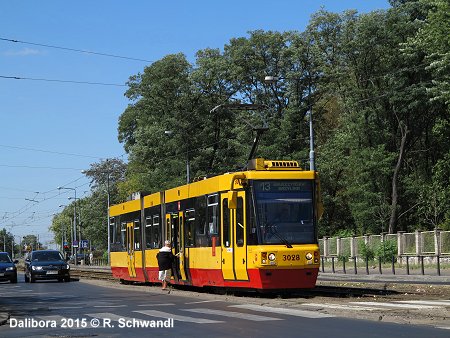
(22, 52)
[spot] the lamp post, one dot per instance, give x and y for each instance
(63, 230)
(108, 195)
(107, 215)
(14, 244)
(79, 221)
(74, 221)
(272, 80)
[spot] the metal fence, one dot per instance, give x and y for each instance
(405, 251)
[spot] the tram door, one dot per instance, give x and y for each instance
(234, 246)
(175, 233)
(130, 250)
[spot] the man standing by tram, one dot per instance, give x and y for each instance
(165, 259)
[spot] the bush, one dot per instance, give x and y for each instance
(386, 250)
(366, 251)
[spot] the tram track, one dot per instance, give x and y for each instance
(334, 290)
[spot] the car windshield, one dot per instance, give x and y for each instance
(4, 258)
(47, 256)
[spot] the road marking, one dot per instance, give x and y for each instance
(164, 304)
(403, 306)
(166, 315)
(241, 315)
(204, 301)
(284, 311)
(110, 305)
(343, 306)
(63, 307)
(426, 302)
(443, 327)
(55, 318)
(108, 315)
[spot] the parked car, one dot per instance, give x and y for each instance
(80, 257)
(8, 270)
(45, 265)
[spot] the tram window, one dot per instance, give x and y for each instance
(112, 229)
(201, 215)
(226, 223)
(123, 236)
(156, 232)
(240, 222)
(189, 227)
(213, 217)
(175, 229)
(115, 234)
(148, 233)
(137, 235)
(252, 237)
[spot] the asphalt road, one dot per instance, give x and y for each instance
(106, 309)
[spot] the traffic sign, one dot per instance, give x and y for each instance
(84, 244)
(75, 244)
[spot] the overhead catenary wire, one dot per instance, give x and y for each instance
(62, 81)
(49, 151)
(74, 50)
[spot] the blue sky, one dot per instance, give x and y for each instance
(50, 131)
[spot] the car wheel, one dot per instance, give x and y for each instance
(32, 279)
(14, 280)
(60, 280)
(67, 279)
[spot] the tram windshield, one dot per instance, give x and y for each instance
(284, 211)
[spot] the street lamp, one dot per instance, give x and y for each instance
(273, 79)
(74, 221)
(108, 172)
(14, 244)
(79, 220)
(62, 232)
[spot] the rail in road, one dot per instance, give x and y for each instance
(329, 285)
(104, 272)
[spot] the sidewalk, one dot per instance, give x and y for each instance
(385, 278)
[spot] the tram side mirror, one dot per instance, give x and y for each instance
(232, 200)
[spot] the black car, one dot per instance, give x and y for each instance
(46, 264)
(8, 270)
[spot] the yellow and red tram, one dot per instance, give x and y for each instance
(254, 229)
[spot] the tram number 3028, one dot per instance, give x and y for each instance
(291, 257)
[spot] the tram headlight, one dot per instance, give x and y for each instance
(272, 256)
(309, 256)
(264, 257)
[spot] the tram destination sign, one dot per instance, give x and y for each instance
(283, 186)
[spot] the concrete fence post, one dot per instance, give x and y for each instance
(418, 234)
(353, 246)
(400, 244)
(325, 246)
(437, 242)
(338, 246)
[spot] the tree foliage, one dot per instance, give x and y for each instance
(377, 86)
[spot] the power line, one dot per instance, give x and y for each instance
(74, 50)
(62, 81)
(35, 167)
(48, 151)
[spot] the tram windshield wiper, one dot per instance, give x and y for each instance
(273, 230)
